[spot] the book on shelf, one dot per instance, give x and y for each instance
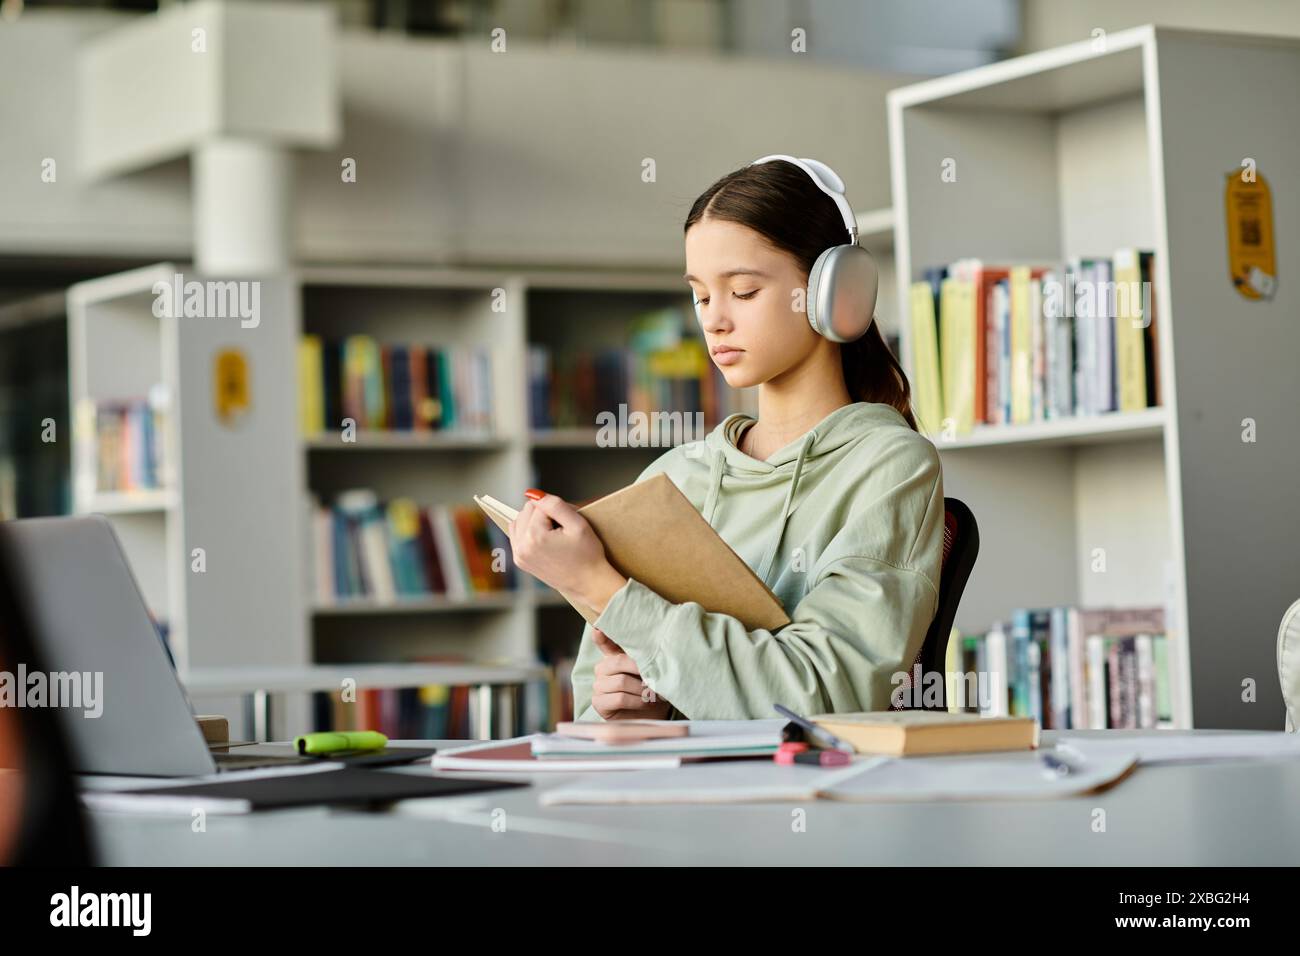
(1068, 668)
(422, 711)
(425, 712)
(661, 369)
(392, 386)
(560, 687)
(362, 547)
(1015, 343)
(122, 445)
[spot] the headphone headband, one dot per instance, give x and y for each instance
(844, 280)
(828, 182)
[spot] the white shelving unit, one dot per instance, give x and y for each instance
(1080, 151)
(876, 229)
(454, 307)
(430, 308)
(876, 234)
(234, 488)
(240, 492)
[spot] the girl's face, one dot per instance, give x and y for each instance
(747, 295)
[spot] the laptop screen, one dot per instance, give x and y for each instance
(107, 675)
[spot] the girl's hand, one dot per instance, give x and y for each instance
(618, 693)
(567, 555)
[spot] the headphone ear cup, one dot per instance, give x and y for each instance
(814, 291)
(842, 287)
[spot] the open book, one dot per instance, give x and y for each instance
(653, 533)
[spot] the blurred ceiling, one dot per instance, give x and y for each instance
(925, 37)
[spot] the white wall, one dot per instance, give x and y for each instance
(146, 215)
(1049, 23)
(531, 157)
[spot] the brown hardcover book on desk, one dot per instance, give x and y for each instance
(914, 732)
(653, 533)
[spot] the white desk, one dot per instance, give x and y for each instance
(1221, 814)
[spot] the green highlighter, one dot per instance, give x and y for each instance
(333, 742)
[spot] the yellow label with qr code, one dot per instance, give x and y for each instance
(230, 386)
(1248, 202)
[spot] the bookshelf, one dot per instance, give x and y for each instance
(876, 235)
(237, 490)
(119, 349)
(443, 309)
(1080, 151)
(227, 488)
(506, 311)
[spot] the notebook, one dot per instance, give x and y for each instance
(516, 756)
(914, 732)
(704, 738)
(266, 791)
(707, 740)
(688, 562)
(745, 781)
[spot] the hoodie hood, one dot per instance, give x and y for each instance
(824, 443)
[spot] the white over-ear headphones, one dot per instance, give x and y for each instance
(844, 280)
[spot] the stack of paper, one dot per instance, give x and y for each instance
(707, 738)
(551, 752)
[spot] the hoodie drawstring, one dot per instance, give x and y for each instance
(715, 488)
(785, 508)
(715, 485)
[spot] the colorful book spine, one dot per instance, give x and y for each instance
(1018, 344)
(393, 387)
(427, 712)
(386, 551)
(928, 379)
(663, 369)
(1072, 668)
(125, 446)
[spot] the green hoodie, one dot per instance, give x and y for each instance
(845, 525)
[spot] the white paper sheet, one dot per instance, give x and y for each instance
(1173, 747)
(728, 781)
(1004, 775)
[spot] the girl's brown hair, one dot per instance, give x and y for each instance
(780, 202)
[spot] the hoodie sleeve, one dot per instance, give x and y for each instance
(584, 665)
(862, 620)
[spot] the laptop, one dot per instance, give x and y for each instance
(71, 578)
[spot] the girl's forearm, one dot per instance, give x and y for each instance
(603, 586)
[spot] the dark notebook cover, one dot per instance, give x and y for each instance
(351, 786)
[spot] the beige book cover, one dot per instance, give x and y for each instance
(1130, 332)
(653, 533)
(912, 732)
(928, 389)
